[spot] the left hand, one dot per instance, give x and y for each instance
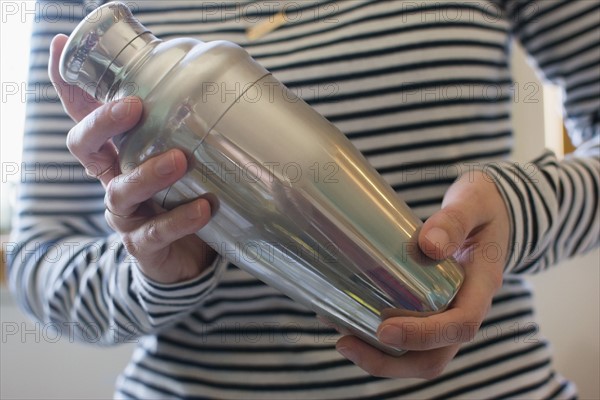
(473, 226)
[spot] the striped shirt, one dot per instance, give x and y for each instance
(424, 90)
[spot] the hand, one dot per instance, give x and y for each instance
(163, 242)
(473, 225)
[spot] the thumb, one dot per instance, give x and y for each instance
(445, 231)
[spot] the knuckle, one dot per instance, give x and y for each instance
(381, 372)
(111, 197)
(137, 173)
(469, 334)
(93, 120)
(433, 369)
(377, 367)
(73, 142)
(152, 234)
(110, 221)
(496, 278)
(130, 245)
(457, 220)
(458, 332)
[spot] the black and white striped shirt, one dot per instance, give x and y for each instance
(424, 90)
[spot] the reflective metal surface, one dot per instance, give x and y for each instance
(294, 203)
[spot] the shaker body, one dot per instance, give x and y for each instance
(300, 208)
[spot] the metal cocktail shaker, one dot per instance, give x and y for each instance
(294, 203)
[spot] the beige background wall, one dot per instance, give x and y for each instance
(568, 295)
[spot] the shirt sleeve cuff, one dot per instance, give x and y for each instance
(163, 300)
(524, 203)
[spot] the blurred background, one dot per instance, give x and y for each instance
(568, 296)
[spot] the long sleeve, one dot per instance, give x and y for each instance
(553, 205)
(65, 265)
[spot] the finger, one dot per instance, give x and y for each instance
(89, 140)
(125, 193)
(162, 230)
(413, 364)
(463, 210)
(76, 102)
(458, 324)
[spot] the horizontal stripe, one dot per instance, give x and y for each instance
(375, 55)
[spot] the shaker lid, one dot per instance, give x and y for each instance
(98, 46)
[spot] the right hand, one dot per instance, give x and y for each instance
(163, 242)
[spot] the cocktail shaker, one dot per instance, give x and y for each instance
(294, 202)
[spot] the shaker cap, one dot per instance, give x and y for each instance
(99, 47)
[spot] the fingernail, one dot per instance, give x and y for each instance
(390, 334)
(349, 354)
(195, 211)
(437, 237)
(165, 165)
(120, 110)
